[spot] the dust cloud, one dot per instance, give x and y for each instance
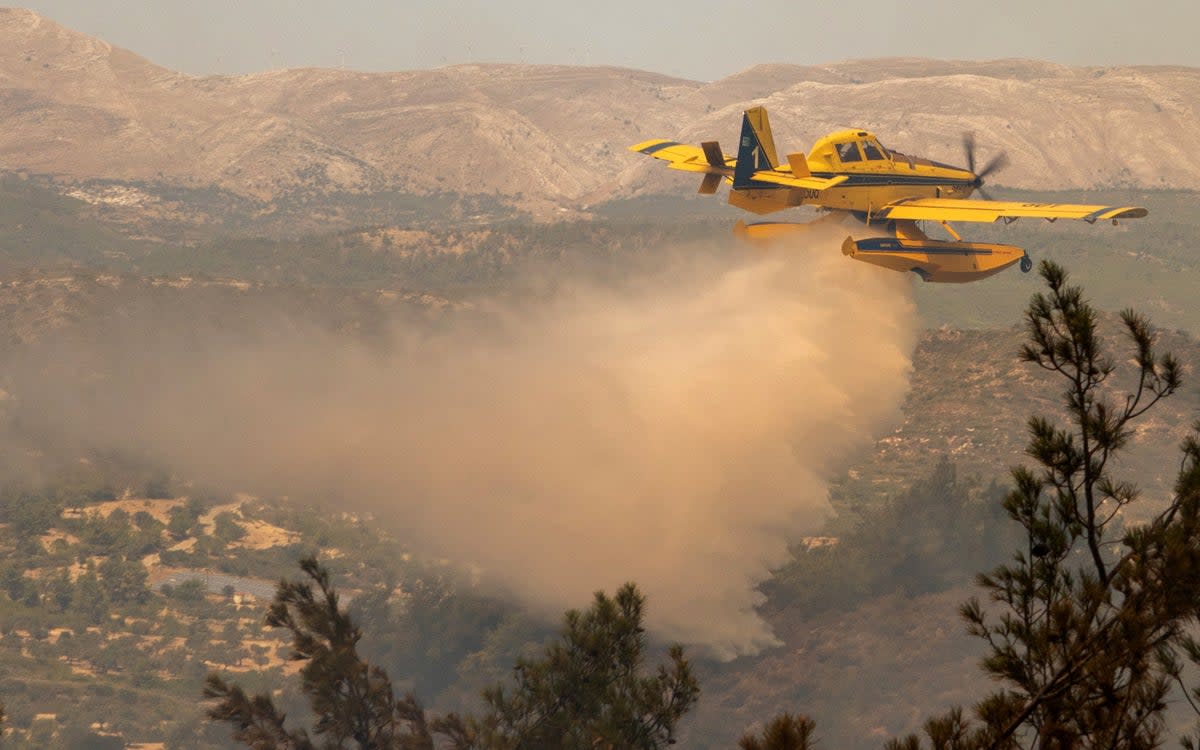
(677, 432)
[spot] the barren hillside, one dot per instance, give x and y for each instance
(543, 136)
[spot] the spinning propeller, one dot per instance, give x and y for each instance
(998, 162)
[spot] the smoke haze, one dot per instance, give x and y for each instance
(677, 432)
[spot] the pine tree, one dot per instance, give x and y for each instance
(587, 690)
(61, 591)
(89, 597)
(784, 732)
(354, 701)
(1088, 621)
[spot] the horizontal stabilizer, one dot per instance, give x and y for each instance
(808, 183)
(685, 157)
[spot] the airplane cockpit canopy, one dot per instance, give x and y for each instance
(850, 147)
(860, 149)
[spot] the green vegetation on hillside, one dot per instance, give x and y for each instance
(585, 691)
(459, 244)
(40, 227)
(926, 538)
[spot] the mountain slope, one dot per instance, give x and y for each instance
(551, 135)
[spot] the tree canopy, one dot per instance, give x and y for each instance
(587, 689)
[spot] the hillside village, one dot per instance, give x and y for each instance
(135, 596)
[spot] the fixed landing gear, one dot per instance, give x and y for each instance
(1026, 263)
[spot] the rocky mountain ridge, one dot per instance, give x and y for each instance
(554, 136)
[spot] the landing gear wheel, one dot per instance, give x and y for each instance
(1026, 263)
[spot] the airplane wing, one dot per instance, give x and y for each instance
(686, 157)
(709, 158)
(951, 209)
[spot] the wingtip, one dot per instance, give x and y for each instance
(1122, 212)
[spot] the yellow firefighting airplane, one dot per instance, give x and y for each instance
(851, 172)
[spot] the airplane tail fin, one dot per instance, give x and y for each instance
(756, 151)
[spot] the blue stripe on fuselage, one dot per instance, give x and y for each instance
(857, 181)
(889, 245)
(864, 180)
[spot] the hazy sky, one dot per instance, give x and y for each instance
(702, 39)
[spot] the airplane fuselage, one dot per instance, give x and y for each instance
(875, 177)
